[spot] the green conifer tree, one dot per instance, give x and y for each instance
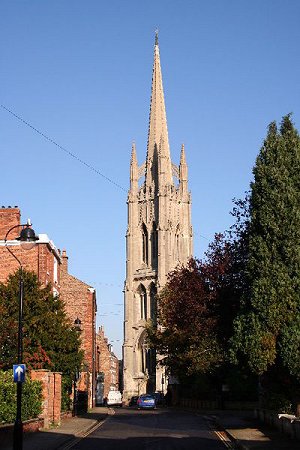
(268, 327)
(49, 340)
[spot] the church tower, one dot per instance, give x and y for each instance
(159, 237)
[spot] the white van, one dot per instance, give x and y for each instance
(114, 398)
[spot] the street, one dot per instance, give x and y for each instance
(161, 429)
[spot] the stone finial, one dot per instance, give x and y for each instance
(183, 170)
(182, 155)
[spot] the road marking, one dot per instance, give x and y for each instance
(81, 436)
(222, 436)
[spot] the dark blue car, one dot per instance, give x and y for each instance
(146, 401)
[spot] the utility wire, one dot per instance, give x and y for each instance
(62, 148)
(70, 153)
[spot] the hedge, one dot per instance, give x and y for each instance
(31, 398)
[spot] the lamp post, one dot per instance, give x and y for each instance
(27, 239)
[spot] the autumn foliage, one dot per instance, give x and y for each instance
(196, 310)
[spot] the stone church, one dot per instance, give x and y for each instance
(159, 237)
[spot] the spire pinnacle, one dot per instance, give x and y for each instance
(133, 169)
(183, 170)
(133, 153)
(182, 155)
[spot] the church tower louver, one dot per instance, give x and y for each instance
(159, 236)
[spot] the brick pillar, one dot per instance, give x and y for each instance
(51, 396)
(57, 398)
(51, 391)
(43, 376)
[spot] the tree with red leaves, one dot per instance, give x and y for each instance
(196, 309)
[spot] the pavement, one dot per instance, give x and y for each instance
(247, 433)
(243, 430)
(64, 437)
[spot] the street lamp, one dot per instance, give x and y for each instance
(27, 240)
(77, 323)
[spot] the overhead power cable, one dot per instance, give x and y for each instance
(81, 161)
(62, 148)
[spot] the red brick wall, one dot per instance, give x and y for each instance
(51, 390)
(9, 217)
(8, 264)
(46, 266)
(80, 302)
(40, 259)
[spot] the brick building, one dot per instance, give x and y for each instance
(52, 267)
(107, 366)
(80, 305)
(43, 259)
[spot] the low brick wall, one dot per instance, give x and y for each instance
(285, 423)
(242, 406)
(198, 404)
(214, 404)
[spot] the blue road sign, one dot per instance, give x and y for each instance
(19, 372)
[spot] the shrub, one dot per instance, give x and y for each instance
(278, 402)
(31, 398)
(66, 391)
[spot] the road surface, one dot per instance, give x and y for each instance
(161, 429)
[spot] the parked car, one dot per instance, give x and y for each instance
(114, 398)
(146, 401)
(133, 400)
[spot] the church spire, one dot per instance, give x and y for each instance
(158, 131)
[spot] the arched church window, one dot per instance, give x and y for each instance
(147, 357)
(143, 302)
(154, 245)
(145, 244)
(144, 358)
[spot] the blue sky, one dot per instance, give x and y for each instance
(80, 72)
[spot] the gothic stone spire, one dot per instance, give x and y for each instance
(158, 131)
